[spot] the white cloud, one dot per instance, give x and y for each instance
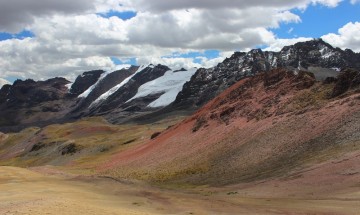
(348, 37)
(15, 15)
(3, 82)
(278, 44)
(115, 5)
(329, 3)
(88, 29)
(208, 63)
(161, 5)
(29, 58)
(187, 63)
(173, 63)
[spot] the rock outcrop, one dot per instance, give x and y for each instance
(84, 81)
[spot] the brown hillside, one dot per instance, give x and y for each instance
(270, 126)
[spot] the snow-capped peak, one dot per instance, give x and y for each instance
(116, 88)
(170, 84)
(90, 89)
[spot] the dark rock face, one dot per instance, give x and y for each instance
(84, 81)
(180, 70)
(108, 82)
(71, 149)
(154, 135)
(29, 93)
(27, 102)
(4, 91)
(207, 83)
(347, 79)
(139, 104)
(130, 89)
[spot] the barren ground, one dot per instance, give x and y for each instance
(44, 191)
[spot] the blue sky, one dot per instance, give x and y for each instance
(54, 39)
(21, 35)
(319, 20)
(124, 15)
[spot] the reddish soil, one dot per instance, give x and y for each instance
(268, 127)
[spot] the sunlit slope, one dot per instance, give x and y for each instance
(265, 127)
(81, 145)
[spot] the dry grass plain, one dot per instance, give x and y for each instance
(45, 191)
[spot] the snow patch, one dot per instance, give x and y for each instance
(90, 89)
(286, 55)
(326, 53)
(245, 69)
(241, 61)
(104, 96)
(274, 62)
(170, 84)
(68, 86)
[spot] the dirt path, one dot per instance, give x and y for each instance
(23, 191)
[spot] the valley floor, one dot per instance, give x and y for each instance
(46, 191)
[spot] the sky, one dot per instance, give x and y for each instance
(41, 39)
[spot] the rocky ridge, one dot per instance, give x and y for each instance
(315, 56)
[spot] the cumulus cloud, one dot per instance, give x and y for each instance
(278, 44)
(3, 82)
(70, 36)
(173, 63)
(348, 37)
(208, 63)
(187, 63)
(160, 5)
(18, 14)
(29, 58)
(329, 3)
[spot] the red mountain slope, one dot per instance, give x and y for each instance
(274, 125)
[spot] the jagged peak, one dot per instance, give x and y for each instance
(26, 81)
(310, 44)
(92, 72)
(180, 70)
(255, 51)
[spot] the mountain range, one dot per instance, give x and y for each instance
(143, 92)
